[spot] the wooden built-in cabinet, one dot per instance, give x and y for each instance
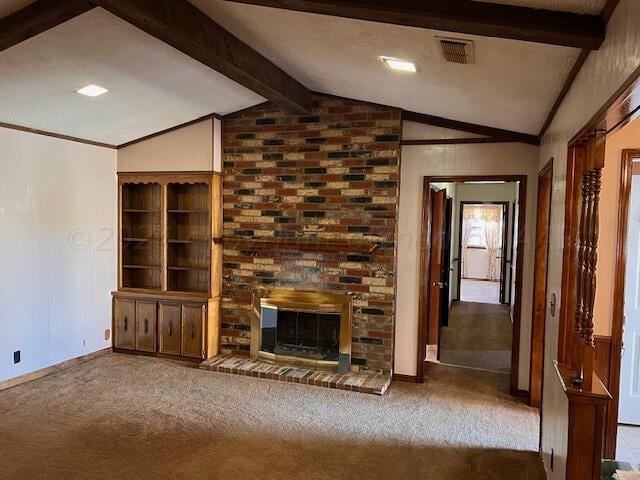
(169, 272)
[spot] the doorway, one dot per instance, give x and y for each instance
(622, 434)
(443, 314)
(482, 241)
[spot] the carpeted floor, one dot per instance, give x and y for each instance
(479, 335)
(133, 417)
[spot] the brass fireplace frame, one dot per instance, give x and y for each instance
(303, 301)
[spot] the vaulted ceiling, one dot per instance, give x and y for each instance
(512, 84)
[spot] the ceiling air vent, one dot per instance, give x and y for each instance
(455, 50)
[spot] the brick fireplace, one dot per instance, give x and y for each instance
(310, 203)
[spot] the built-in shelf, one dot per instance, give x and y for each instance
(186, 269)
(175, 240)
(141, 267)
(303, 244)
(140, 210)
(188, 211)
(131, 239)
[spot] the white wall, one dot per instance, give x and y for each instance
(602, 74)
(448, 160)
(192, 148)
(58, 210)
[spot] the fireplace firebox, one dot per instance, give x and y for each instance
(293, 327)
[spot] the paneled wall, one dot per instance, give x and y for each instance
(604, 71)
(330, 175)
(58, 212)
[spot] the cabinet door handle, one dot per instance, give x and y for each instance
(146, 325)
(193, 330)
(170, 327)
(126, 323)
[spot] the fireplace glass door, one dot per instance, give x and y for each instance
(305, 335)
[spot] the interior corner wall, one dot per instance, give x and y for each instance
(191, 148)
(602, 74)
(58, 211)
(451, 160)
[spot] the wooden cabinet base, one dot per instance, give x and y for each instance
(175, 327)
(167, 356)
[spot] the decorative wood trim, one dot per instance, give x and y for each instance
(582, 57)
(463, 16)
(398, 377)
(454, 141)
(302, 244)
(58, 367)
(168, 130)
(507, 135)
(56, 135)
(424, 266)
(539, 308)
(608, 10)
(611, 429)
(38, 17)
(189, 30)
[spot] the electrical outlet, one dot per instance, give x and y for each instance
(85, 342)
(16, 356)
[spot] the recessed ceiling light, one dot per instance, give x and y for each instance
(399, 65)
(92, 90)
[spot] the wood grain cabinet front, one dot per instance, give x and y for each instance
(146, 325)
(193, 318)
(124, 319)
(169, 326)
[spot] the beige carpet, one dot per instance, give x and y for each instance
(479, 335)
(129, 417)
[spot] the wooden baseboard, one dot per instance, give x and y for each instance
(398, 377)
(43, 372)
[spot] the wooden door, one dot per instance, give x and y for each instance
(446, 263)
(192, 324)
(503, 254)
(169, 327)
(435, 267)
(124, 319)
(545, 180)
(146, 325)
(629, 404)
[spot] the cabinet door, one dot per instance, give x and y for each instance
(124, 319)
(146, 325)
(192, 325)
(169, 327)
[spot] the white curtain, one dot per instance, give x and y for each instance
(494, 244)
(466, 233)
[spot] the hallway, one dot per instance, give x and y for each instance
(479, 336)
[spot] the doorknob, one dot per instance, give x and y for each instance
(438, 284)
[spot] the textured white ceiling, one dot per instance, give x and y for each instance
(512, 85)
(576, 6)
(152, 86)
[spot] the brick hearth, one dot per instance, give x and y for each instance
(355, 382)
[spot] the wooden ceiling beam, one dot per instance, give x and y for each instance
(462, 16)
(187, 29)
(496, 133)
(38, 17)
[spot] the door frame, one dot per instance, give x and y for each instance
(615, 359)
(424, 280)
(538, 310)
(505, 231)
